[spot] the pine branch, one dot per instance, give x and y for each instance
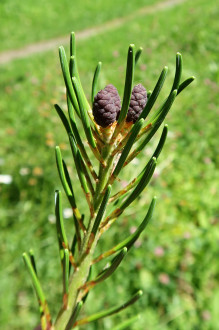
(112, 138)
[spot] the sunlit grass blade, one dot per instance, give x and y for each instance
(64, 181)
(79, 142)
(136, 129)
(67, 79)
(78, 164)
(85, 171)
(82, 171)
(77, 232)
(72, 44)
(74, 70)
(132, 238)
(44, 311)
(101, 210)
(161, 142)
(95, 81)
(85, 175)
(98, 219)
(123, 192)
(128, 83)
(62, 238)
(65, 277)
(74, 316)
(73, 245)
(84, 113)
(106, 273)
(67, 176)
(74, 65)
(78, 138)
(158, 119)
(129, 241)
(155, 123)
(149, 94)
(138, 54)
(110, 311)
(184, 84)
(178, 72)
(63, 118)
(135, 181)
(145, 179)
(154, 95)
(161, 113)
(141, 185)
(175, 86)
(32, 259)
(35, 281)
(61, 234)
(127, 323)
(111, 269)
(67, 187)
(176, 82)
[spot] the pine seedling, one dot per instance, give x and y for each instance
(115, 132)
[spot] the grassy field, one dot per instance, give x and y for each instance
(175, 262)
(49, 19)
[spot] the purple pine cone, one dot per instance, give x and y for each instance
(106, 106)
(137, 103)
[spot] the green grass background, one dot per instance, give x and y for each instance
(23, 22)
(185, 223)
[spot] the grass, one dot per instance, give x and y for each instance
(49, 19)
(176, 263)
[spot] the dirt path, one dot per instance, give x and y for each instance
(46, 45)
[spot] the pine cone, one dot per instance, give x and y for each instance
(137, 103)
(107, 105)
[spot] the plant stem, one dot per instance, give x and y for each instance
(103, 174)
(79, 277)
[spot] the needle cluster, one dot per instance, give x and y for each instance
(116, 132)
